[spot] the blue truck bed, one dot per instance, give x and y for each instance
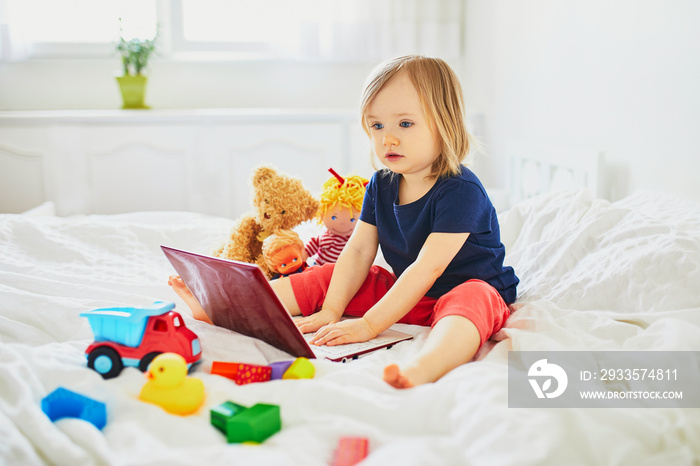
(123, 325)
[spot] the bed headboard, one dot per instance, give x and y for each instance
(537, 168)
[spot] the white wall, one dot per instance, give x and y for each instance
(621, 76)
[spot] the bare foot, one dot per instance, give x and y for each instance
(394, 377)
(186, 295)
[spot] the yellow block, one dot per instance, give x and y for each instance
(301, 368)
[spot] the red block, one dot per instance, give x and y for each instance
(242, 373)
(351, 450)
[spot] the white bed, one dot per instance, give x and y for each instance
(594, 276)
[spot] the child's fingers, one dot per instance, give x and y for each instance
(314, 322)
(308, 324)
(327, 335)
(336, 334)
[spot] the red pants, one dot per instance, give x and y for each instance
(474, 299)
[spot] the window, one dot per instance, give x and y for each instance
(160, 326)
(337, 30)
(233, 25)
(73, 28)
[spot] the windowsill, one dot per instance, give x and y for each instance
(236, 58)
(241, 115)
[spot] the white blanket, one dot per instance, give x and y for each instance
(594, 276)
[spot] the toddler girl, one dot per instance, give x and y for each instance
(434, 222)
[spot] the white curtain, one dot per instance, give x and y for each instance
(12, 46)
(324, 30)
(348, 30)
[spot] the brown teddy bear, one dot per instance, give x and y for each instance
(280, 202)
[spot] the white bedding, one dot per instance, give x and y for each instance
(594, 276)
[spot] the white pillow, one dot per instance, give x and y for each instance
(588, 254)
(47, 209)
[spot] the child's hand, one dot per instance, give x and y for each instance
(348, 331)
(315, 321)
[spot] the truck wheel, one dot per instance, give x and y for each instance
(146, 361)
(106, 362)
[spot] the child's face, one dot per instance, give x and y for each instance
(404, 140)
(340, 220)
(289, 260)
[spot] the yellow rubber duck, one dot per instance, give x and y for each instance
(169, 387)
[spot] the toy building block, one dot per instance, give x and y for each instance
(301, 368)
(241, 373)
(351, 450)
(279, 368)
(62, 403)
(254, 424)
(220, 414)
(241, 424)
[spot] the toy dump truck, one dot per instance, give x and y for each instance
(128, 336)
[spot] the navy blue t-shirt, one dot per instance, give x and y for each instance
(457, 204)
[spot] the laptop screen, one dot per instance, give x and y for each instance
(235, 295)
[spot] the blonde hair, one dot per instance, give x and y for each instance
(441, 96)
(350, 193)
(278, 241)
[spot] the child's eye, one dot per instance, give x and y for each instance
(405, 124)
(294, 260)
(284, 265)
(334, 218)
(377, 126)
(352, 220)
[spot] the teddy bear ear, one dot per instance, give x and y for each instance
(262, 174)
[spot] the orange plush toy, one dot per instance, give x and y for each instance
(280, 202)
(284, 253)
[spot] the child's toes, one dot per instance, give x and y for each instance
(175, 281)
(394, 377)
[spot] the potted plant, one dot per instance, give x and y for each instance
(135, 54)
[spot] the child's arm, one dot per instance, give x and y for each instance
(349, 273)
(434, 257)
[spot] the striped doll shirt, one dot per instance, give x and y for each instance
(328, 247)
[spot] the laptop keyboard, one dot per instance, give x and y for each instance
(350, 348)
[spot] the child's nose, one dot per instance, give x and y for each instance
(390, 140)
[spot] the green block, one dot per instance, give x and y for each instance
(254, 424)
(222, 413)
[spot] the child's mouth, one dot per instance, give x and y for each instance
(392, 156)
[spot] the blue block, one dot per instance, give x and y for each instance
(62, 403)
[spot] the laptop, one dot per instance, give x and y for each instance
(237, 296)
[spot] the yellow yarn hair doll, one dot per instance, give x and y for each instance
(340, 206)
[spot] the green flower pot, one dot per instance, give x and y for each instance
(133, 89)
